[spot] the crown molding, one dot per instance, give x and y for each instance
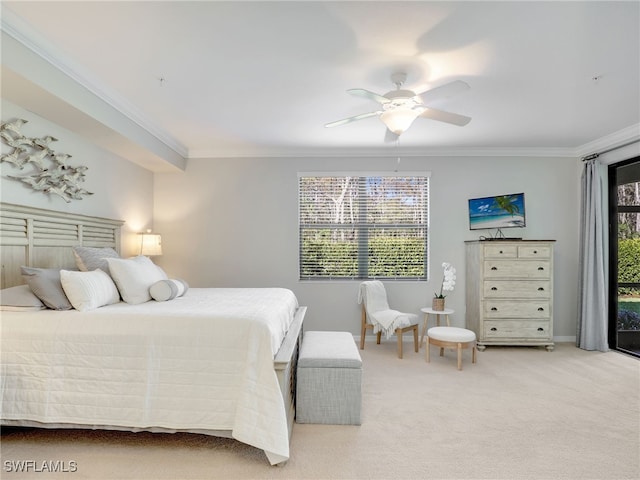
(21, 31)
(383, 152)
(611, 141)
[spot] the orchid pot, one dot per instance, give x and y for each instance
(448, 282)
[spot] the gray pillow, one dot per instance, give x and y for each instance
(45, 284)
(90, 258)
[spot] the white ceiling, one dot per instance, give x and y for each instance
(262, 78)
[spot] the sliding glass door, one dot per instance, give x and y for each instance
(624, 245)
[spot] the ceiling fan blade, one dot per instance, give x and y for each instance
(390, 137)
(351, 119)
(447, 117)
(444, 91)
(361, 92)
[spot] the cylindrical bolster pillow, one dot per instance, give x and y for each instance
(164, 290)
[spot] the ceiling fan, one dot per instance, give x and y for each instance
(401, 107)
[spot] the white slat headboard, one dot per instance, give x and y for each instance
(43, 238)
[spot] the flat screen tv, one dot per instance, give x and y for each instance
(500, 211)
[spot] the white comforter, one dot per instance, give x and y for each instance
(203, 361)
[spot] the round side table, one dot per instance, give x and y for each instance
(430, 311)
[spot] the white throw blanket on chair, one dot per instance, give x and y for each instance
(384, 319)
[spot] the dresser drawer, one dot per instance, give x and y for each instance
(526, 269)
(534, 251)
(522, 289)
(517, 330)
(515, 309)
(500, 251)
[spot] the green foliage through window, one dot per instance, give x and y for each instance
(629, 260)
(357, 227)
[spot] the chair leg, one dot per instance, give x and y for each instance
(416, 345)
(399, 335)
(459, 356)
(473, 354)
(442, 351)
(378, 338)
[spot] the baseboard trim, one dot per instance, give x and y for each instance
(569, 339)
(407, 338)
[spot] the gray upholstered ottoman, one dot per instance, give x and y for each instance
(329, 386)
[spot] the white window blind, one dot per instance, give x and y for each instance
(363, 226)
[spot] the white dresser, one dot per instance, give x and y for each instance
(509, 287)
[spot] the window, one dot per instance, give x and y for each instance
(624, 260)
(359, 227)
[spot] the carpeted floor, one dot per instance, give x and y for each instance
(519, 413)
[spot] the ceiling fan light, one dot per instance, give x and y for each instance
(399, 120)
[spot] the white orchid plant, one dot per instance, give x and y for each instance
(448, 279)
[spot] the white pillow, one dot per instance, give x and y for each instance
(12, 308)
(19, 299)
(134, 277)
(89, 290)
(168, 289)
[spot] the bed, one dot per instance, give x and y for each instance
(214, 361)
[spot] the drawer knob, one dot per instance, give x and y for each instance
(500, 251)
(540, 329)
(494, 268)
(540, 309)
(494, 329)
(540, 268)
(535, 251)
(494, 288)
(540, 289)
(494, 309)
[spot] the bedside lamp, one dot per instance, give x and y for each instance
(151, 244)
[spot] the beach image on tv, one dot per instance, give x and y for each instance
(501, 211)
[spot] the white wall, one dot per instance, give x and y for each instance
(233, 222)
(121, 190)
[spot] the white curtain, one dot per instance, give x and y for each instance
(593, 312)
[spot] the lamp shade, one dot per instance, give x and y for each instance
(399, 120)
(151, 244)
